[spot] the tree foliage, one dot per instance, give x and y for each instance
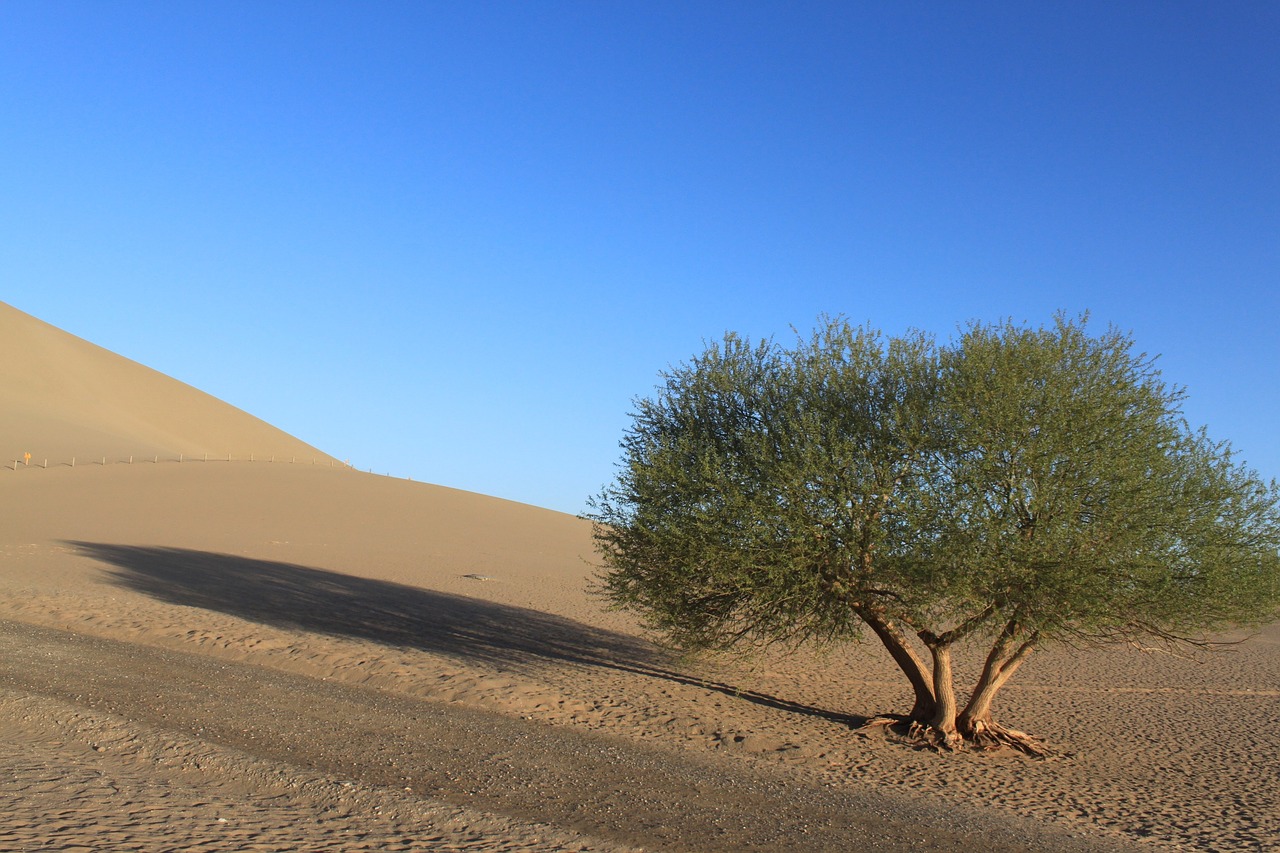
(1019, 484)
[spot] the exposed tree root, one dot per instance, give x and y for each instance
(991, 735)
(986, 736)
(912, 731)
(935, 738)
(884, 721)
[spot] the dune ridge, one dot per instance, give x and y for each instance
(330, 589)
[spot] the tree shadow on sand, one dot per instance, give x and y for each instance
(289, 596)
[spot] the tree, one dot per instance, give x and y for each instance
(1016, 485)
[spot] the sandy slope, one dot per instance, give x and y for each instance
(63, 397)
(196, 591)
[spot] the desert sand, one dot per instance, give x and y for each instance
(286, 654)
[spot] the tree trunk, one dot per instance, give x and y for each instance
(943, 723)
(979, 707)
(977, 723)
(905, 657)
(935, 717)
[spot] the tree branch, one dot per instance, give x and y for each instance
(965, 628)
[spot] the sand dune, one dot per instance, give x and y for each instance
(279, 656)
(63, 397)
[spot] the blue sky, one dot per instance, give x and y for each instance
(453, 241)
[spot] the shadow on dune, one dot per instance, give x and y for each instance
(290, 596)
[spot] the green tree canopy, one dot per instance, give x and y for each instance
(1018, 484)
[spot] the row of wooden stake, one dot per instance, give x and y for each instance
(25, 460)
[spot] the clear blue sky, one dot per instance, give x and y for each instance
(453, 240)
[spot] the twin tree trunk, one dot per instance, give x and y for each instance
(936, 711)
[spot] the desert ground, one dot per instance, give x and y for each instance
(216, 637)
